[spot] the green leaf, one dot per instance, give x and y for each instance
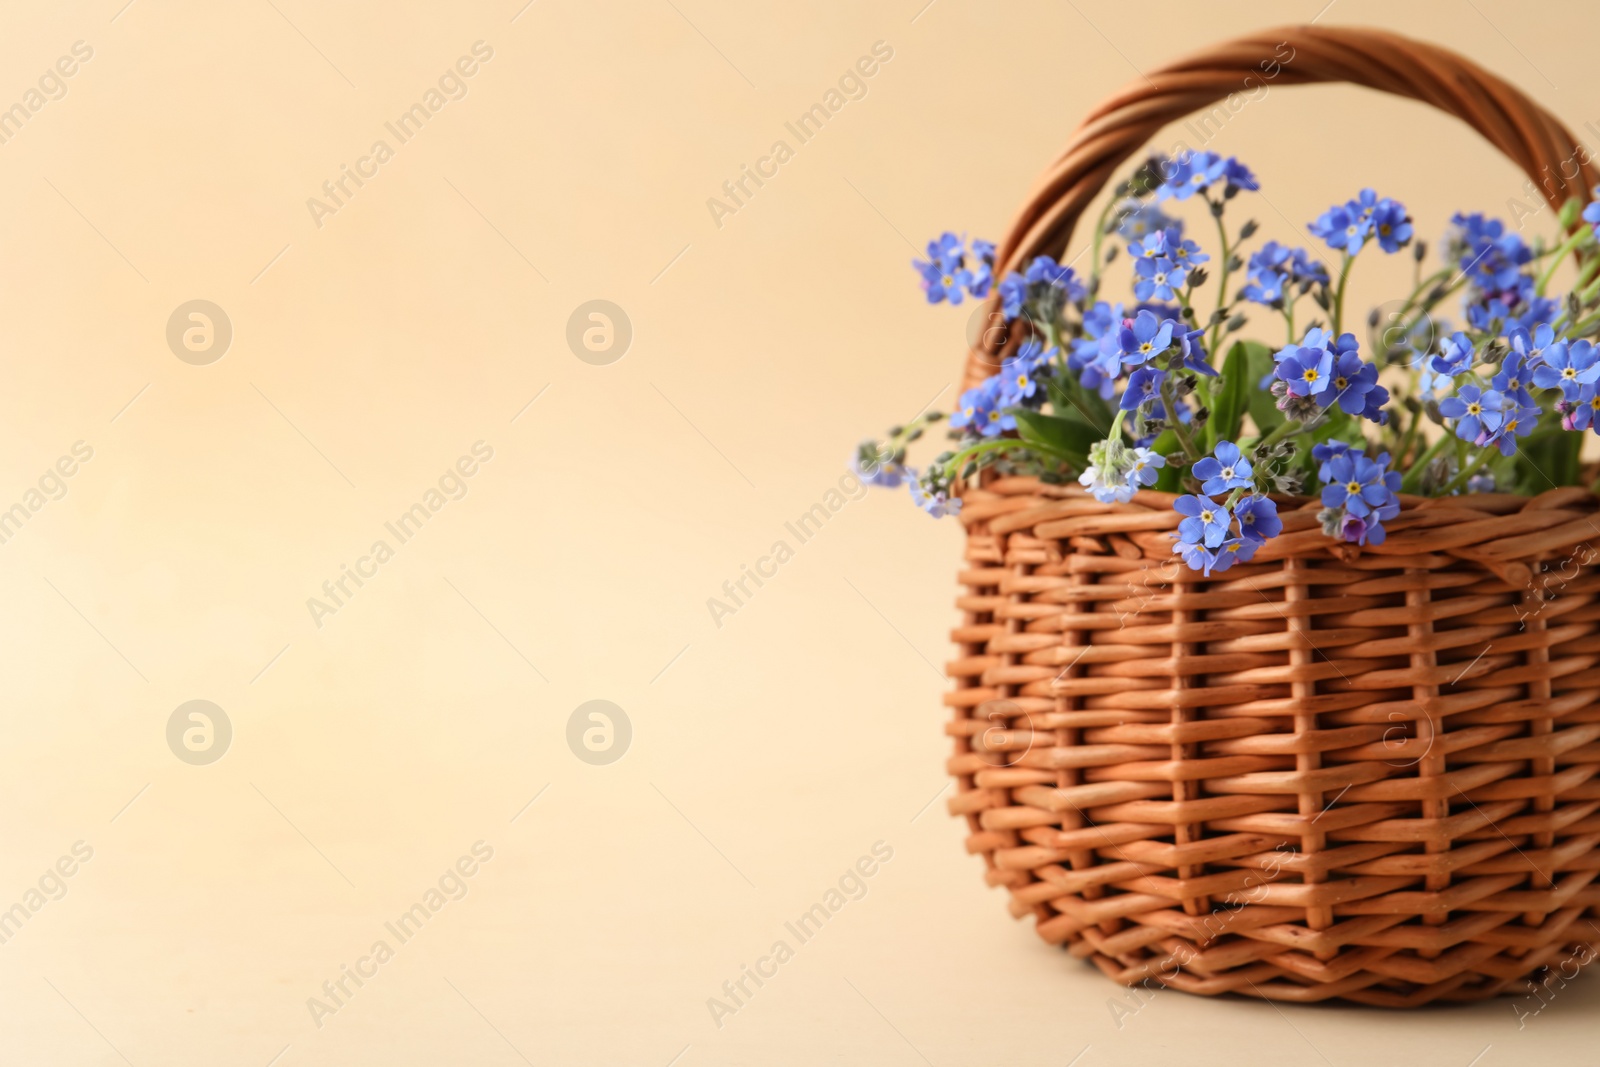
(1069, 399)
(1065, 438)
(1263, 408)
(1232, 399)
(1549, 458)
(1055, 387)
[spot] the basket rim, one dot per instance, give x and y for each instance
(1506, 533)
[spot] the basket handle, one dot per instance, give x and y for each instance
(1525, 132)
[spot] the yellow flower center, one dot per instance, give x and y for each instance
(1352, 487)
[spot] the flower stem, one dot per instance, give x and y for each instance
(1582, 326)
(1222, 275)
(1483, 456)
(1592, 290)
(1586, 275)
(1279, 432)
(1338, 296)
(953, 467)
(1409, 438)
(1421, 287)
(1052, 335)
(1413, 476)
(1185, 297)
(1169, 402)
(1099, 234)
(1569, 245)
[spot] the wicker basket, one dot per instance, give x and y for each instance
(1369, 774)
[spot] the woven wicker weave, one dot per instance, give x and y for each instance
(1332, 772)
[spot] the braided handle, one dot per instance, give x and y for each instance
(1300, 55)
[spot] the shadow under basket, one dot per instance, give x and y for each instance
(1333, 772)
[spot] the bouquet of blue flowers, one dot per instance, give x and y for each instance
(1151, 392)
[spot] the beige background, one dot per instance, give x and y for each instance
(368, 354)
